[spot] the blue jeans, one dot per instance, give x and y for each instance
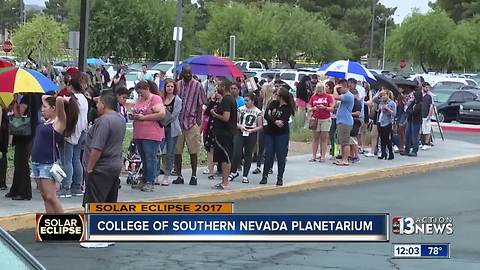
(170, 144)
(72, 165)
(412, 137)
(148, 151)
(275, 145)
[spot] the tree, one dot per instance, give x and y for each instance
(434, 40)
(459, 9)
(42, 38)
(10, 14)
(58, 9)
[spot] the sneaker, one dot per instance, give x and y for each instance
(395, 149)
(257, 171)
(412, 154)
(219, 186)
(178, 181)
(193, 181)
(206, 171)
(245, 180)
(424, 147)
(147, 188)
(264, 181)
(77, 192)
(96, 244)
(355, 160)
(138, 185)
(232, 176)
(280, 182)
(63, 193)
(369, 154)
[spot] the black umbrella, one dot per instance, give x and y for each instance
(404, 82)
(385, 82)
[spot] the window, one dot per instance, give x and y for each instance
(287, 76)
(255, 65)
(467, 96)
(457, 97)
(471, 82)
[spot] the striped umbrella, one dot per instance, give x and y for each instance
(23, 80)
(211, 65)
(346, 69)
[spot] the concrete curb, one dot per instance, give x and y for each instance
(458, 127)
(27, 220)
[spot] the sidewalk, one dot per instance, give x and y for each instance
(300, 175)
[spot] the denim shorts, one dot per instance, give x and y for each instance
(41, 170)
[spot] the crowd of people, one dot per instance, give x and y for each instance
(82, 129)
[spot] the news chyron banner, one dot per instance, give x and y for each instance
(187, 222)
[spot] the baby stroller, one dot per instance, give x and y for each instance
(133, 165)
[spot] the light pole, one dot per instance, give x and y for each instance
(384, 43)
(370, 54)
(178, 34)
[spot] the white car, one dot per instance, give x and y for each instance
(250, 65)
(166, 66)
(293, 77)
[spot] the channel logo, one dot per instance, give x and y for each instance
(422, 225)
(65, 227)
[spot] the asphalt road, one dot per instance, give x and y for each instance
(444, 193)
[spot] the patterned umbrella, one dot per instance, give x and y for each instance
(211, 65)
(5, 63)
(6, 98)
(23, 80)
(346, 69)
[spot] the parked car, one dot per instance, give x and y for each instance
(469, 112)
(448, 103)
(293, 77)
(250, 66)
(166, 66)
(16, 256)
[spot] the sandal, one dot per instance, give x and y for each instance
(312, 160)
(165, 183)
(321, 160)
(339, 163)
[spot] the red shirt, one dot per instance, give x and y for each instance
(323, 99)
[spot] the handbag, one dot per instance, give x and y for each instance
(167, 119)
(312, 123)
(56, 171)
(19, 126)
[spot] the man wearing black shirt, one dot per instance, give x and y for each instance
(225, 124)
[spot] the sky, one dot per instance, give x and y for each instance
(404, 7)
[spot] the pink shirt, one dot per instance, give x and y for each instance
(147, 130)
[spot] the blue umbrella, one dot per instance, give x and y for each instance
(347, 69)
(95, 61)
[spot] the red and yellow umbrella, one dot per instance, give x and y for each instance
(15, 80)
(22, 80)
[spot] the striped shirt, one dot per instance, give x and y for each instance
(193, 98)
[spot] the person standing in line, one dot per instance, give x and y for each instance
(122, 96)
(61, 115)
(427, 112)
(320, 104)
(249, 123)
(193, 98)
(147, 131)
(119, 79)
(209, 133)
(209, 86)
(3, 147)
(277, 131)
(303, 95)
(173, 106)
(72, 146)
(144, 75)
(344, 120)
(388, 111)
(225, 123)
(414, 123)
(27, 105)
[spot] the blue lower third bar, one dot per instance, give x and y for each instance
(435, 251)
